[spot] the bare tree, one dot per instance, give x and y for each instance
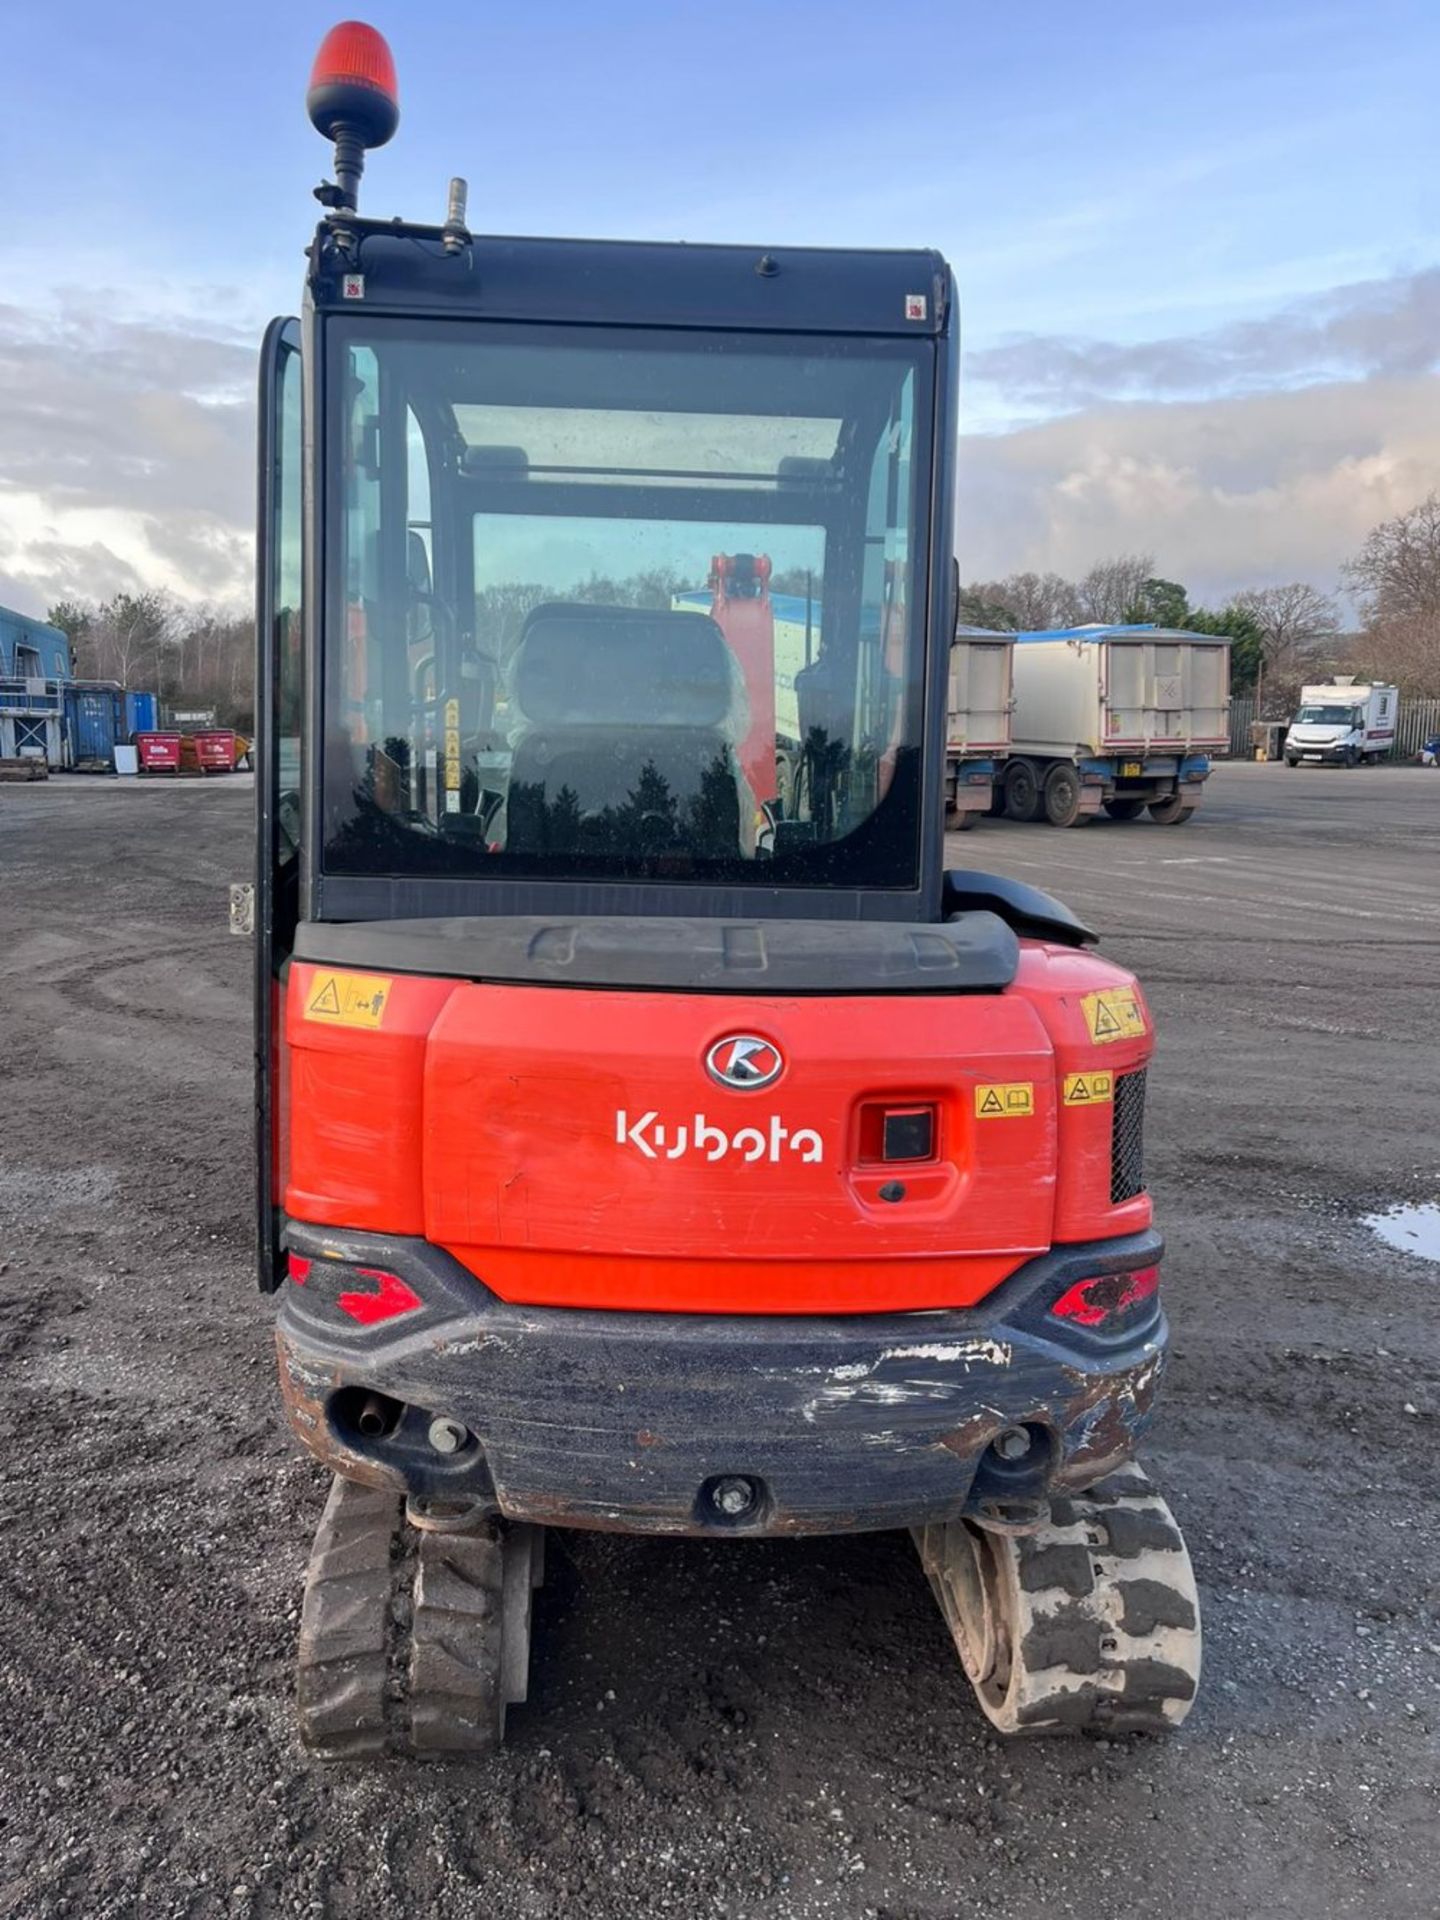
(500, 613)
(1295, 623)
(1035, 600)
(124, 638)
(211, 661)
(975, 609)
(1113, 588)
(1397, 571)
(1407, 652)
(192, 656)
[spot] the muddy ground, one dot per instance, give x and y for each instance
(733, 1730)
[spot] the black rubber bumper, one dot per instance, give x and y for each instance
(650, 1422)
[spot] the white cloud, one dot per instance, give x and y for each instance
(1226, 493)
(129, 454)
(129, 449)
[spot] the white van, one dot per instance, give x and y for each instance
(1342, 723)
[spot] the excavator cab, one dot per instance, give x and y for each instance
(652, 1135)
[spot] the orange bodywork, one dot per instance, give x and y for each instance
(570, 1149)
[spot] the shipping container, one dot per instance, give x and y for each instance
(1121, 717)
(94, 722)
(142, 713)
(977, 721)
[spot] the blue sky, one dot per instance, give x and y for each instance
(1150, 212)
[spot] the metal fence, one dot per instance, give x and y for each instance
(1419, 721)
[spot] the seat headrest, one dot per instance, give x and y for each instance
(632, 667)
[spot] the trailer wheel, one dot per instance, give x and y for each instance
(413, 1640)
(1171, 812)
(962, 820)
(1062, 796)
(1022, 791)
(1124, 809)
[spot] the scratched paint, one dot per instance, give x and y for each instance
(480, 1343)
(996, 1352)
(855, 1382)
(869, 1393)
(962, 1353)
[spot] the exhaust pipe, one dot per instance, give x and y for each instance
(377, 1416)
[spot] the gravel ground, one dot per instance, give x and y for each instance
(745, 1729)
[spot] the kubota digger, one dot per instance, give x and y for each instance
(652, 1138)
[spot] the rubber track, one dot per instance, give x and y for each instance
(401, 1633)
(1090, 1623)
(455, 1649)
(347, 1625)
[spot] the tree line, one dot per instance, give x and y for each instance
(199, 656)
(194, 656)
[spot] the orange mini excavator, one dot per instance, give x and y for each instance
(646, 1141)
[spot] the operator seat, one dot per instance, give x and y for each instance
(629, 719)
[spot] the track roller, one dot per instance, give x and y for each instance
(414, 1639)
(1089, 1623)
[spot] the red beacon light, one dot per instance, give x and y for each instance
(353, 100)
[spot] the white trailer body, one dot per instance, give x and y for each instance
(1120, 717)
(1343, 722)
(977, 721)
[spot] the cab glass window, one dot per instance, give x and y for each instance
(600, 606)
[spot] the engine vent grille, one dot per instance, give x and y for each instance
(1127, 1138)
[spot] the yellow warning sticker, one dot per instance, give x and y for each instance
(348, 999)
(1113, 1015)
(452, 746)
(1089, 1089)
(1012, 1101)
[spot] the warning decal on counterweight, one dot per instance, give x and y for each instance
(1113, 1015)
(348, 999)
(1089, 1089)
(1012, 1100)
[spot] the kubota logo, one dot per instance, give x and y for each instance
(740, 1060)
(660, 1139)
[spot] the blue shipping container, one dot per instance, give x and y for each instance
(93, 719)
(142, 713)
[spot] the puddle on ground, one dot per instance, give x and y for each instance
(1412, 1229)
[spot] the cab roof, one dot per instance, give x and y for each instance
(406, 269)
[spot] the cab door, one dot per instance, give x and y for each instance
(279, 738)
